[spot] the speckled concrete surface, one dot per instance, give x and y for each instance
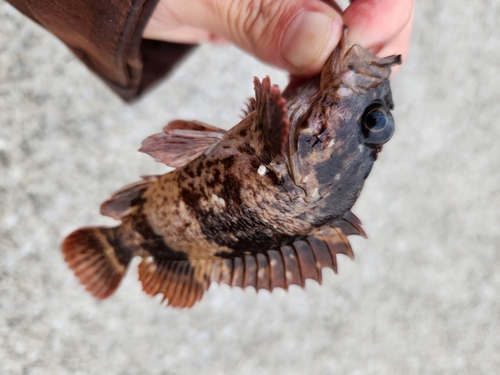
(421, 298)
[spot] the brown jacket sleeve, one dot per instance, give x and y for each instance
(107, 36)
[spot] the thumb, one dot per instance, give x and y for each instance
(296, 35)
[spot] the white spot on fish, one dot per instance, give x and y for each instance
(344, 91)
(360, 147)
(262, 170)
(182, 206)
(218, 200)
(331, 143)
(337, 177)
(315, 194)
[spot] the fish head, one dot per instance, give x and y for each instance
(333, 148)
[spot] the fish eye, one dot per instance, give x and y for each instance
(377, 124)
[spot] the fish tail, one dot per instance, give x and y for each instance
(98, 258)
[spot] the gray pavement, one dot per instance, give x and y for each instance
(422, 296)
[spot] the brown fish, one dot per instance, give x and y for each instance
(265, 204)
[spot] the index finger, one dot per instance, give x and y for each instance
(381, 26)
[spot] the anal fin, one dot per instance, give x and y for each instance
(122, 201)
(181, 142)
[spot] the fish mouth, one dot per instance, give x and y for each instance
(356, 68)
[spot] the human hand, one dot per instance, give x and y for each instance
(295, 35)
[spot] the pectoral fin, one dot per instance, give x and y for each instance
(181, 142)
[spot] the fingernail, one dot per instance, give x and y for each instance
(308, 37)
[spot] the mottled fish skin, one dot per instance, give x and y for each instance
(266, 205)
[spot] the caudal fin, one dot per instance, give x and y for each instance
(94, 258)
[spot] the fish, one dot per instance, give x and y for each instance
(266, 204)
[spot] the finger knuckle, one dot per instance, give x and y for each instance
(257, 20)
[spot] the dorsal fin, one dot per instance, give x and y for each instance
(181, 142)
(291, 264)
(175, 279)
(350, 224)
(183, 282)
(122, 201)
(271, 124)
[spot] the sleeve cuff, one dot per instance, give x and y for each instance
(107, 37)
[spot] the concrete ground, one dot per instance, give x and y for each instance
(422, 296)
